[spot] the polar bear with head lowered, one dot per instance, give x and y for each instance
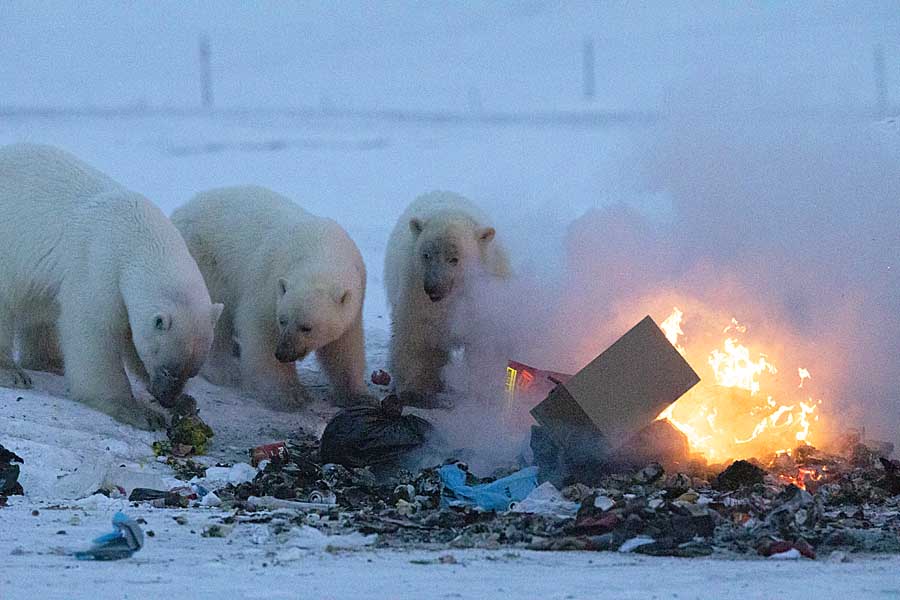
(95, 277)
(292, 283)
(437, 246)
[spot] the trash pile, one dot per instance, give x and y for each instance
(605, 475)
(847, 502)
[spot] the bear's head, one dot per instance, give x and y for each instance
(313, 310)
(173, 341)
(446, 247)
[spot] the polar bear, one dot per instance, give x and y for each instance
(441, 240)
(292, 283)
(95, 278)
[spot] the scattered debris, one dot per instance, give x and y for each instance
(187, 434)
(216, 530)
(125, 540)
(737, 509)
(545, 499)
(276, 452)
(177, 497)
(381, 377)
(635, 543)
(9, 475)
(739, 474)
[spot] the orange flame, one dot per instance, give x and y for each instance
(803, 477)
(734, 414)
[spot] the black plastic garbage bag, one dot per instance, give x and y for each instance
(9, 473)
(374, 435)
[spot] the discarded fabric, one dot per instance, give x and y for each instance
(127, 539)
(545, 499)
(496, 495)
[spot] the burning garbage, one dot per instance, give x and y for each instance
(615, 467)
(739, 410)
(594, 420)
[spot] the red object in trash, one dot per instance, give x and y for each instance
(276, 452)
(381, 377)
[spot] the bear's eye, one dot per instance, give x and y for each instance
(426, 256)
(453, 261)
(283, 322)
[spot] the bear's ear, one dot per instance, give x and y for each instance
(415, 225)
(486, 235)
(162, 321)
(216, 312)
(282, 286)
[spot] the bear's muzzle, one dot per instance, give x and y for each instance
(166, 385)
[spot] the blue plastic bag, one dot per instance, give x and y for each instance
(497, 495)
(127, 539)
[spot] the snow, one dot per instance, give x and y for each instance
(251, 563)
(350, 158)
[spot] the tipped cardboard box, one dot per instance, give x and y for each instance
(619, 393)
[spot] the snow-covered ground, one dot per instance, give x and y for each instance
(178, 562)
(362, 173)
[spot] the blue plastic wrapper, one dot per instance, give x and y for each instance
(127, 539)
(496, 495)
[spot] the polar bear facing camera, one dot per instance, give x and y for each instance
(439, 243)
(95, 278)
(292, 283)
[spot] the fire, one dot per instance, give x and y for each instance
(803, 477)
(733, 412)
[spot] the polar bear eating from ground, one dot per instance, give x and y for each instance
(292, 283)
(439, 242)
(95, 277)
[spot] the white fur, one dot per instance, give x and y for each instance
(422, 336)
(90, 271)
(248, 241)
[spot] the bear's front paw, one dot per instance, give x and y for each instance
(14, 377)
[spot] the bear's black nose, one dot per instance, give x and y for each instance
(306, 328)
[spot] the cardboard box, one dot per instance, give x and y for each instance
(619, 393)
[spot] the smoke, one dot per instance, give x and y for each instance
(789, 222)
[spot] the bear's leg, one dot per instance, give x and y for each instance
(262, 375)
(344, 362)
(10, 373)
(221, 366)
(416, 363)
(95, 374)
(39, 348)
